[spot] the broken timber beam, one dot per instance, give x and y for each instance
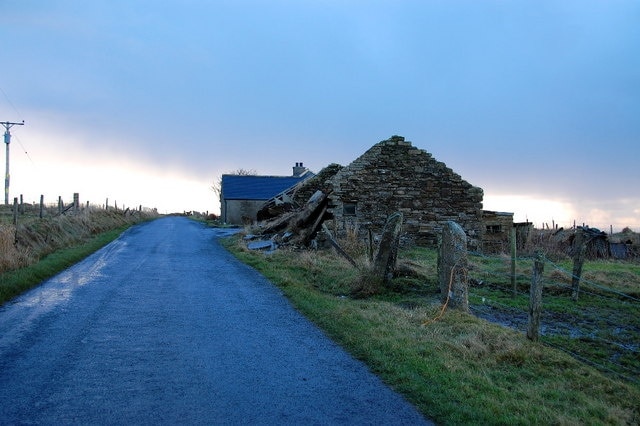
(335, 245)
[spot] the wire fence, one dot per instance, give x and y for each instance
(602, 328)
(21, 210)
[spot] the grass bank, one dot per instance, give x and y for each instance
(15, 282)
(40, 248)
(457, 368)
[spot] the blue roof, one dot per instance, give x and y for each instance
(236, 187)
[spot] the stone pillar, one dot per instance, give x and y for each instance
(452, 267)
(384, 262)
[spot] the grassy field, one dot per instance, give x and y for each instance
(458, 368)
(601, 328)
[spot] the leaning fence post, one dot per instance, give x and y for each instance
(513, 263)
(535, 297)
(579, 251)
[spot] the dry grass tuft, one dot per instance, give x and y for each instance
(11, 256)
(35, 238)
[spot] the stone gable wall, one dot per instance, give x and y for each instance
(395, 176)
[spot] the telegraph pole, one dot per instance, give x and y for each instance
(7, 140)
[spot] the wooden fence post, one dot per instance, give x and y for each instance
(15, 211)
(535, 297)
(59, 205)
(579, 251)
(513, 263)
(76, 202)
(41, 206)
(21, 204)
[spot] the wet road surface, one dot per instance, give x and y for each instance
(163, 326)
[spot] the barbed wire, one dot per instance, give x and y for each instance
(591, 283)
(519, 321)
(559, 268)
(596, 364)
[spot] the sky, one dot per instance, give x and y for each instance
(149, 102)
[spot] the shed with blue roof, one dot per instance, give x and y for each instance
(241, 196)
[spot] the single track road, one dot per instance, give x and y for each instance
(164, 326)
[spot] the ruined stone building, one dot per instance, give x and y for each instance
(394, 176)
(497, 231)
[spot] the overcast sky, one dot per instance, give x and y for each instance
(147, 102)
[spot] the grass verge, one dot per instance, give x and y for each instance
(458, 369)
(15, 282)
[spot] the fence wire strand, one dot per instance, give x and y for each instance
(587, 327)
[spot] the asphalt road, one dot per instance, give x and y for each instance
(163, 326)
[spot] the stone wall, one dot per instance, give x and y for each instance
(497, 231)
(319, 182)
(395, 176)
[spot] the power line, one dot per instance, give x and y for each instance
(11, 103)
(24, 149)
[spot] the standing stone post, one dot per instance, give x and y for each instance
(452, 267)
(76, 202)
(384, 263)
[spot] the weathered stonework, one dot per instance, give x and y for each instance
(497, 230)
(393, 176)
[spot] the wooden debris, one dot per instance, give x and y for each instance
(300, 226)
(335, 245)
